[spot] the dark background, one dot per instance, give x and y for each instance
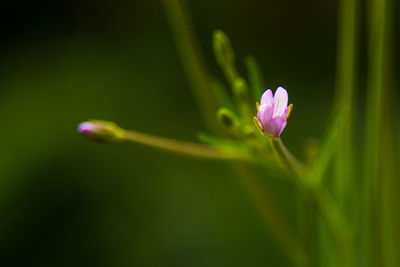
(65, 201)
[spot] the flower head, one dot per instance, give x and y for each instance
(100, 131)
(273, 112)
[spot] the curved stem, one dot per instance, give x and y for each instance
(287, 159)
(328, 207)
(182, 147)
(272, 216)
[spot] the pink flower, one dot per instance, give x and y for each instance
(273, 112)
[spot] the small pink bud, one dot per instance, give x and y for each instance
(100, 131)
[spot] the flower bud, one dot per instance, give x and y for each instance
(223, 48)
(227, 119)
(101, 131)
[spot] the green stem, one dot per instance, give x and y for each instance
(326, 204)
(343, 178)
(288, 160)
(181, 147)
(193, 64)
(380, 13)
(345, 88)
(273, 218)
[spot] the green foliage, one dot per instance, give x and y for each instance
(326, 222)
(337, 207)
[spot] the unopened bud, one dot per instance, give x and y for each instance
(101, 131)
(223, 48)
(227, 119)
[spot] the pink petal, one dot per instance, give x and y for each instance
(264, 115)
(277, 125)
(267, 98)
(282, 127)
(280, 101)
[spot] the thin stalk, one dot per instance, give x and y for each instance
(288, 160)
(345, 91)
(380, 13)
(273, 218)
(343, 180)
(326, 204)
(387, 192)
(192, 61)
(390, 202)
(181, 147)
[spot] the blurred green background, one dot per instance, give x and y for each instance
(65, 201)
